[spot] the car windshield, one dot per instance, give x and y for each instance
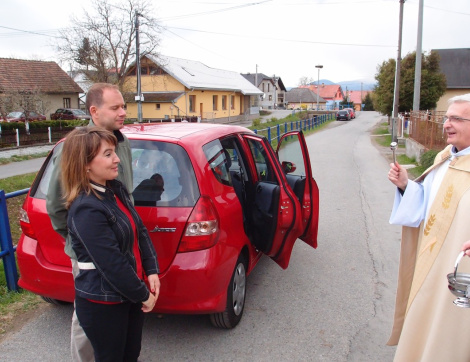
(14, 114)
(78, 112)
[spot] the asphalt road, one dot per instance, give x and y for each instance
(334, 303)
(21, 168)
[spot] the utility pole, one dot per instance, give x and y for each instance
(361, 98)
(417, 88)
(396, 96)
(275, 99)
(256, 85)
(318, 83)
(138, 97)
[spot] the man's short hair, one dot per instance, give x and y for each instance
(94, 96)
(459, 99)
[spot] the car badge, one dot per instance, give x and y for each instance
(163, 230)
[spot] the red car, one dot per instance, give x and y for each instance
(351, 111)
(222, 198)
(20, 117)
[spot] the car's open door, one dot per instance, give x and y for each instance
(274, 214)
(293, 155)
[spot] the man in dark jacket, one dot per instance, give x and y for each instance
(106, 106)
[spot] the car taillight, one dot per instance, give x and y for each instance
(26, 225)
(202, 228)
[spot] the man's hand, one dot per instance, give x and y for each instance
(398, 176)
(466, 247)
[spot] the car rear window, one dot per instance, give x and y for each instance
(39, 190)
(163, 175)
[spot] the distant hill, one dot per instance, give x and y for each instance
(350, 85)
(356, 85)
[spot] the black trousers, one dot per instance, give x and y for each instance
(114, 330)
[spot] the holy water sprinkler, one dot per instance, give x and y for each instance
(393, 147)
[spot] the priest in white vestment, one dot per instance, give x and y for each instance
(434, 211)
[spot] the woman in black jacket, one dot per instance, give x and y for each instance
(113, 247)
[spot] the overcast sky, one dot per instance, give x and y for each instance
(283, 37)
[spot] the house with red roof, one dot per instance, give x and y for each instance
(357, 98)
(47, 84)
(331, 93)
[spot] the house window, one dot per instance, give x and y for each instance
(232, 102)
(269, 88)
(270, 97)
(157, 106)
(192, 103)
(67, 103)
(215, 100)
(263, 87)
(224, 102)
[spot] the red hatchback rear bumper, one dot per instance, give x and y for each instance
(41, 277)
(196, 282)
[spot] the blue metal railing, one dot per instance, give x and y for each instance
(304, 125)
(7, 250)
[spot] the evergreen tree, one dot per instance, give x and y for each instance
(368, 104)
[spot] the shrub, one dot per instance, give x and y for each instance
(427, 159)
(256, 122)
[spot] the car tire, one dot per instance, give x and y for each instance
(236, 294)
(54, 301)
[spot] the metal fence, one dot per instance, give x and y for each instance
(427, 129)
(7, 250)
(273, 134)
(24, 137)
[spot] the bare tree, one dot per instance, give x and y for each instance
(101, 42)
(25, 100)
(305, 80)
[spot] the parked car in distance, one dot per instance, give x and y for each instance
(227, 198)
(69, 114)
(343, 115)
(20, 117)
(352, 112)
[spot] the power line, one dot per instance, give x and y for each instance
(38, 32)
(286, 40)
(215, 11)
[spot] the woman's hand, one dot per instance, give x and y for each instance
(148, 305)
(154, 283)
(398, 176)
(466, 247)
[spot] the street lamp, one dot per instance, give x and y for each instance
(318, 82)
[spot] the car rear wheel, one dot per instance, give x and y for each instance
(236, 293)
(54, 301)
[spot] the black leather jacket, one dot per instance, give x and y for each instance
(102, 238)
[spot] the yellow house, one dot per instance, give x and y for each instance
(179, 89)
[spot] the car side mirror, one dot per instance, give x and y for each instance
(288, 166)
